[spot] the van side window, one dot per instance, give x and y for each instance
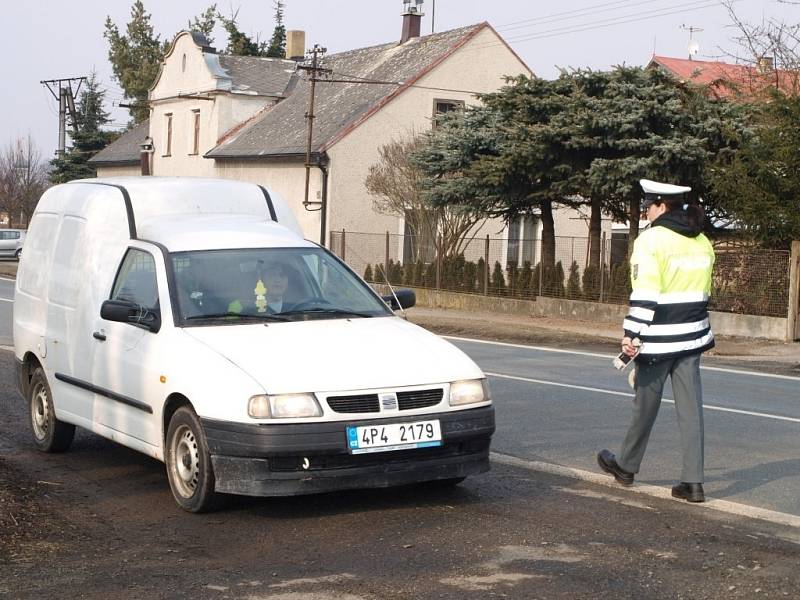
(136, 280)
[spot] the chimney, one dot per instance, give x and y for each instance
(766, 64)
(412, 19)
(295, 45)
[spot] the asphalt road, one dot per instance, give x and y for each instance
(99, 522)
(562, 407)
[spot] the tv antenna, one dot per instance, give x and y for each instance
(694, 46)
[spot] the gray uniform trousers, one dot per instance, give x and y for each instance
(650, 379)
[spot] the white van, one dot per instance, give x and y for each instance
(189, 319)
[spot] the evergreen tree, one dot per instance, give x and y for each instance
(205, 22)
(368, 276)
(135, 58)
(573, 283)
(759, 186)
(498, 282)
(89, 139)
(481, 271)
(277, 45)
(239, 43)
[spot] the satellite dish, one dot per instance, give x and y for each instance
(694, 48)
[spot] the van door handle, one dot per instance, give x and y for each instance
(99, 336)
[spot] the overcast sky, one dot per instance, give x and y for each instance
(48, 39)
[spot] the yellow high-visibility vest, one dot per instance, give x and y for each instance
(671, 285)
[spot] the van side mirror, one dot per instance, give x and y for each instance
(406, 297)
(123, 311)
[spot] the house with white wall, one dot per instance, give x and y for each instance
(213, 115)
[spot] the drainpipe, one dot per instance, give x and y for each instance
(324, 203)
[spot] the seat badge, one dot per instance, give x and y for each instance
(388, 401)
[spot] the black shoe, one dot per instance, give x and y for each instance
(691, 492)
(608, 463)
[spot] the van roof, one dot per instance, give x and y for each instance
(213, 232)
(179, 210)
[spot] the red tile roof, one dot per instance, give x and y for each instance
(726, 80)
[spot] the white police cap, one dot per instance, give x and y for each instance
(662, 189)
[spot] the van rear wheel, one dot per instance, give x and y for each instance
(191, 476)
(49, 434)
(18, 254)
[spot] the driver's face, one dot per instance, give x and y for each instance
(276, 280)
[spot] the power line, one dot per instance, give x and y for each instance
(621, 20)
(572, 14)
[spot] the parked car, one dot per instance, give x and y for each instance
(188, 319)
(11, 242)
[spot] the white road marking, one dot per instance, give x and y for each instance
(6, 300)
(629, 395)
(733, 508)
(7, 279)
(600, 355)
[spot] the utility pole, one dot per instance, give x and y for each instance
(314, 69)
(66, 102)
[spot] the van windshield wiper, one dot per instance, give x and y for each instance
(326, 311)
(244, 316)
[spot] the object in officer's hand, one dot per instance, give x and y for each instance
(622, 360)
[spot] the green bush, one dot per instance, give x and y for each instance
(525, 279)
(573, 290)
(470, 277)
(591, 283)
(368, 273)
(481, 270)
(498, 283)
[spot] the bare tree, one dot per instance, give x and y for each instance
(23, 179)
(772, 46)
(396, 187)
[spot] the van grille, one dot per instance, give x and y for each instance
(361, 403)
(419, 398)
(368, 403)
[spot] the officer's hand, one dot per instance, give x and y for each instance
(628, 347)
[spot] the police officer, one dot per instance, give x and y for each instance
(671, 269)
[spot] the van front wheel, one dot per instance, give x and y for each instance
(191, 476)
(49, 434)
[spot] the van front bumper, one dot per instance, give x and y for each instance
(295, 459)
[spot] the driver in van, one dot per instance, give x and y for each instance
(268, 293)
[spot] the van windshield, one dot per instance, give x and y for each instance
(268, 284)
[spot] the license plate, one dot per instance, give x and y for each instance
(394, 436)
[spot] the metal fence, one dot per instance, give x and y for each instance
(745, 280)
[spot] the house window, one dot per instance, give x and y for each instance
(522, 241)
(196, 129)
(442, 107)
(168, 145)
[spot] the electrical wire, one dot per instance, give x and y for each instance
(688, 7)
(575, 14)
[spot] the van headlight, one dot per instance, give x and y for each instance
(469, 391)
(283, 406)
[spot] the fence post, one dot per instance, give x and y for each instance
(602, 264)
(486, 269)
(541, 269)
(439, 263)
(386, 260)
(793, 321)
(343, 247)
